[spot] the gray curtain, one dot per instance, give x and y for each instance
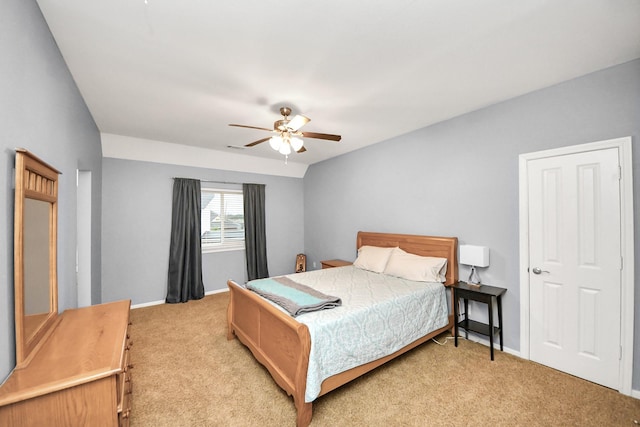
(185, 254)
(255, 231)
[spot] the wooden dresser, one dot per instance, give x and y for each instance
(80, 376)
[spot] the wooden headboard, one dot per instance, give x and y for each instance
(442, 247)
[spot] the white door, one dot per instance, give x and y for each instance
(575, 264)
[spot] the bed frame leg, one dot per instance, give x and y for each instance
(230, 334)
(305, 411)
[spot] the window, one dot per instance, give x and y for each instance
(222, 220)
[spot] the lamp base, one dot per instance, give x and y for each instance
(473, 273)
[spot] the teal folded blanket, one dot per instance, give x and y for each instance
(294, 297)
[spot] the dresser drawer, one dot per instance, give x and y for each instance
(125, 384)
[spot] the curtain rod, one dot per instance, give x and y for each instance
(216, 182)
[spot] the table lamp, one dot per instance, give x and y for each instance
(475, 256)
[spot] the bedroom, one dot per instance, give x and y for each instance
(475, 199)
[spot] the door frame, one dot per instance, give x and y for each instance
(83, 238)
(625, 377)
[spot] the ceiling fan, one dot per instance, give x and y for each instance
(287, 132)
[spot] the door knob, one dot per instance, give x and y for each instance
(537, 270)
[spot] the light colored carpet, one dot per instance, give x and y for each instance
(187, 374)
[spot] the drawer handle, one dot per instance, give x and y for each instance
(130, 366)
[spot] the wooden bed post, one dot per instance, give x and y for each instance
(452, 318)
(230, 334)
(305, 412)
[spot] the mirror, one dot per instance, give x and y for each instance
(35, 253)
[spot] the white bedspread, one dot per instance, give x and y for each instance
(379, 315)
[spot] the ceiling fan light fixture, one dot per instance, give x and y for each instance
(287, 135)
(275, 142)
(296, 143)
(285, 148)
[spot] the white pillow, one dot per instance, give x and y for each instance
(373, 258)
(414, 267)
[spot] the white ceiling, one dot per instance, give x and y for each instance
(180, 71)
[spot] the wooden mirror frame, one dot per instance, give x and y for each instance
(35, 180)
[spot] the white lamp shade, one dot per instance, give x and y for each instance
(275, 142)
(296, 143)
(477, 256)
(285, 148)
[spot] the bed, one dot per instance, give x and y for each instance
(283, 343)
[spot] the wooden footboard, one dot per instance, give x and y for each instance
(282, 344)
(276, 340)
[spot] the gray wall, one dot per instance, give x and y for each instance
(409, 184)
(41, 110)
(460, 177)
(137, 223)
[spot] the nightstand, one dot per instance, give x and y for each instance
(482, 293)
(334, 263)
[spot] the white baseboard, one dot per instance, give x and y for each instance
(217, 291)
(484, 341)
(149, 304)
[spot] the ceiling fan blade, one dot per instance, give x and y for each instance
(321, 136)
(297, 122)
(301, 150)
(260, 141)
(251, 127)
